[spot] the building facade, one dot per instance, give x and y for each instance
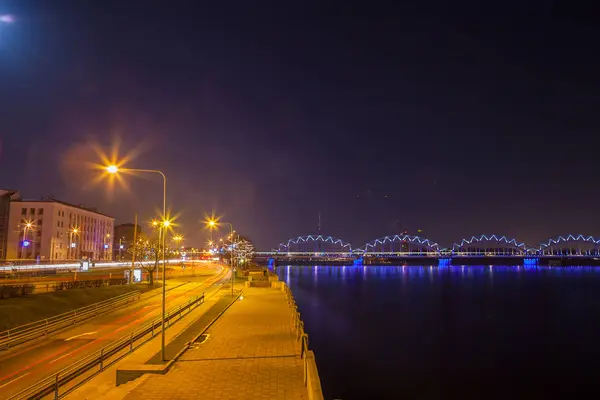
(6, 196)
(52, 230)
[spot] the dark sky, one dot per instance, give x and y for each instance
(441, 116)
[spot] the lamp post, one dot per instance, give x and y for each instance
(113, 169)
(211, 223)
(28, 225)
(120, 248)
(156, 224)
(178, 239)
(74, 231)
(105, 246)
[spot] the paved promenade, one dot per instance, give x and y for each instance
(250, 353)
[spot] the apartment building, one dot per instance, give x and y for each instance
(51, 230)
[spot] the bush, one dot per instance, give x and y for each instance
(8, 291)
(89, 283)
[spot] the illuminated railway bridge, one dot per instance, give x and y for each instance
(487, 249)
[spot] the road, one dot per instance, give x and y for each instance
(25, 365)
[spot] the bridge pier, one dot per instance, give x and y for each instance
(444, 261)
(531, 261)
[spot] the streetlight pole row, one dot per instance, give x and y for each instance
(213, 223)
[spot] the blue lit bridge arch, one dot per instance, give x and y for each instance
(570, 245)
(490, 246)
(401, 244)
(315, 244)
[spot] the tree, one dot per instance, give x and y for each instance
(243, 251)
(149, 250)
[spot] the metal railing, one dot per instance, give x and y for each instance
(33, 330)
(76, 264)
(297, 325)
(88, 367)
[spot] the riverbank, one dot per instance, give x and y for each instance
(256, 349)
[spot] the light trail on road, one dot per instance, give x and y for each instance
(28, 365)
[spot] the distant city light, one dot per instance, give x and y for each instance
(7, 18)
(106, 246)
(26, 243)
(121, 246)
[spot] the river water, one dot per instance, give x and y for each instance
(451, 332)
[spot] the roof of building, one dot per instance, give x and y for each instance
(52, 200)
(14, 194)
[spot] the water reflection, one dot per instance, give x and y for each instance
(404, 323)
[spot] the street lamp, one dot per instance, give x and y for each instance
(177, 239)
(212, 223)
(25, 242)
(73, 231)
(105, 246)
(113, 169)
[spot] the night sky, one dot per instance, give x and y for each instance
(383, 116)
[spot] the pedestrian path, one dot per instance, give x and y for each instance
(251, 352)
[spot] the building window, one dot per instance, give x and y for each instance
(23, 211)
(40, 211)
(32, 211)
(58, 224)
(40, 222)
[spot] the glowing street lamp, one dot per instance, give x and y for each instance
(114, 169)
(25, 242)
(213, 223)
(105, 245)
(73, 231)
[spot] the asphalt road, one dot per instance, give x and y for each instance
(25, 365)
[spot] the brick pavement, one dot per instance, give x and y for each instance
(251, 353)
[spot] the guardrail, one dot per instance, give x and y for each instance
(311, 374)
(77, 264)
(95, 363)
(33, 330)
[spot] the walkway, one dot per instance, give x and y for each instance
(250, 353)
